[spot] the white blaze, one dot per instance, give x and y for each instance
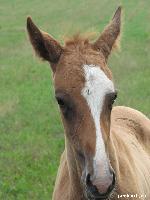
(97, 85)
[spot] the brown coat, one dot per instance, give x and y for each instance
(129, 148)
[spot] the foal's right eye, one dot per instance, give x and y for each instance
(61, 102)
(63, 106)
(66, 107)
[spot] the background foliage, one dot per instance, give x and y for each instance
(31, 134)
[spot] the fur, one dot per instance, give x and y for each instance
(125, 131)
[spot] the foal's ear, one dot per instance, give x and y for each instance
(44, 45)
(110, 34)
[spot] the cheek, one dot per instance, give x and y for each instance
(72, 123)
(83, 131)
(87, 134)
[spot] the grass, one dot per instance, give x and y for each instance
(31, 133)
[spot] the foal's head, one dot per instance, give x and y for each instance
(85, 93)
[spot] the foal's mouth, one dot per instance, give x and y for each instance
(97, 196)
(90, 196)
(92, 192)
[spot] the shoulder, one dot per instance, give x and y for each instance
(131, 121)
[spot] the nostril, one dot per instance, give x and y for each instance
(111, 187)
(88, 181)
(90, 186)
(114, 179)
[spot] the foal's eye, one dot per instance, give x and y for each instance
(63, 106)
(114, 97)
(61, 102)
(66, 106)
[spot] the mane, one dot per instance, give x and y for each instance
(79, 38)
(83, 39)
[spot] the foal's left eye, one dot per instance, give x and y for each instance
(114, 97)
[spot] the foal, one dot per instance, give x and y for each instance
(107, 151)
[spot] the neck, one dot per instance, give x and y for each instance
(76, 191)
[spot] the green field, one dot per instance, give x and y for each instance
(31, 134)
